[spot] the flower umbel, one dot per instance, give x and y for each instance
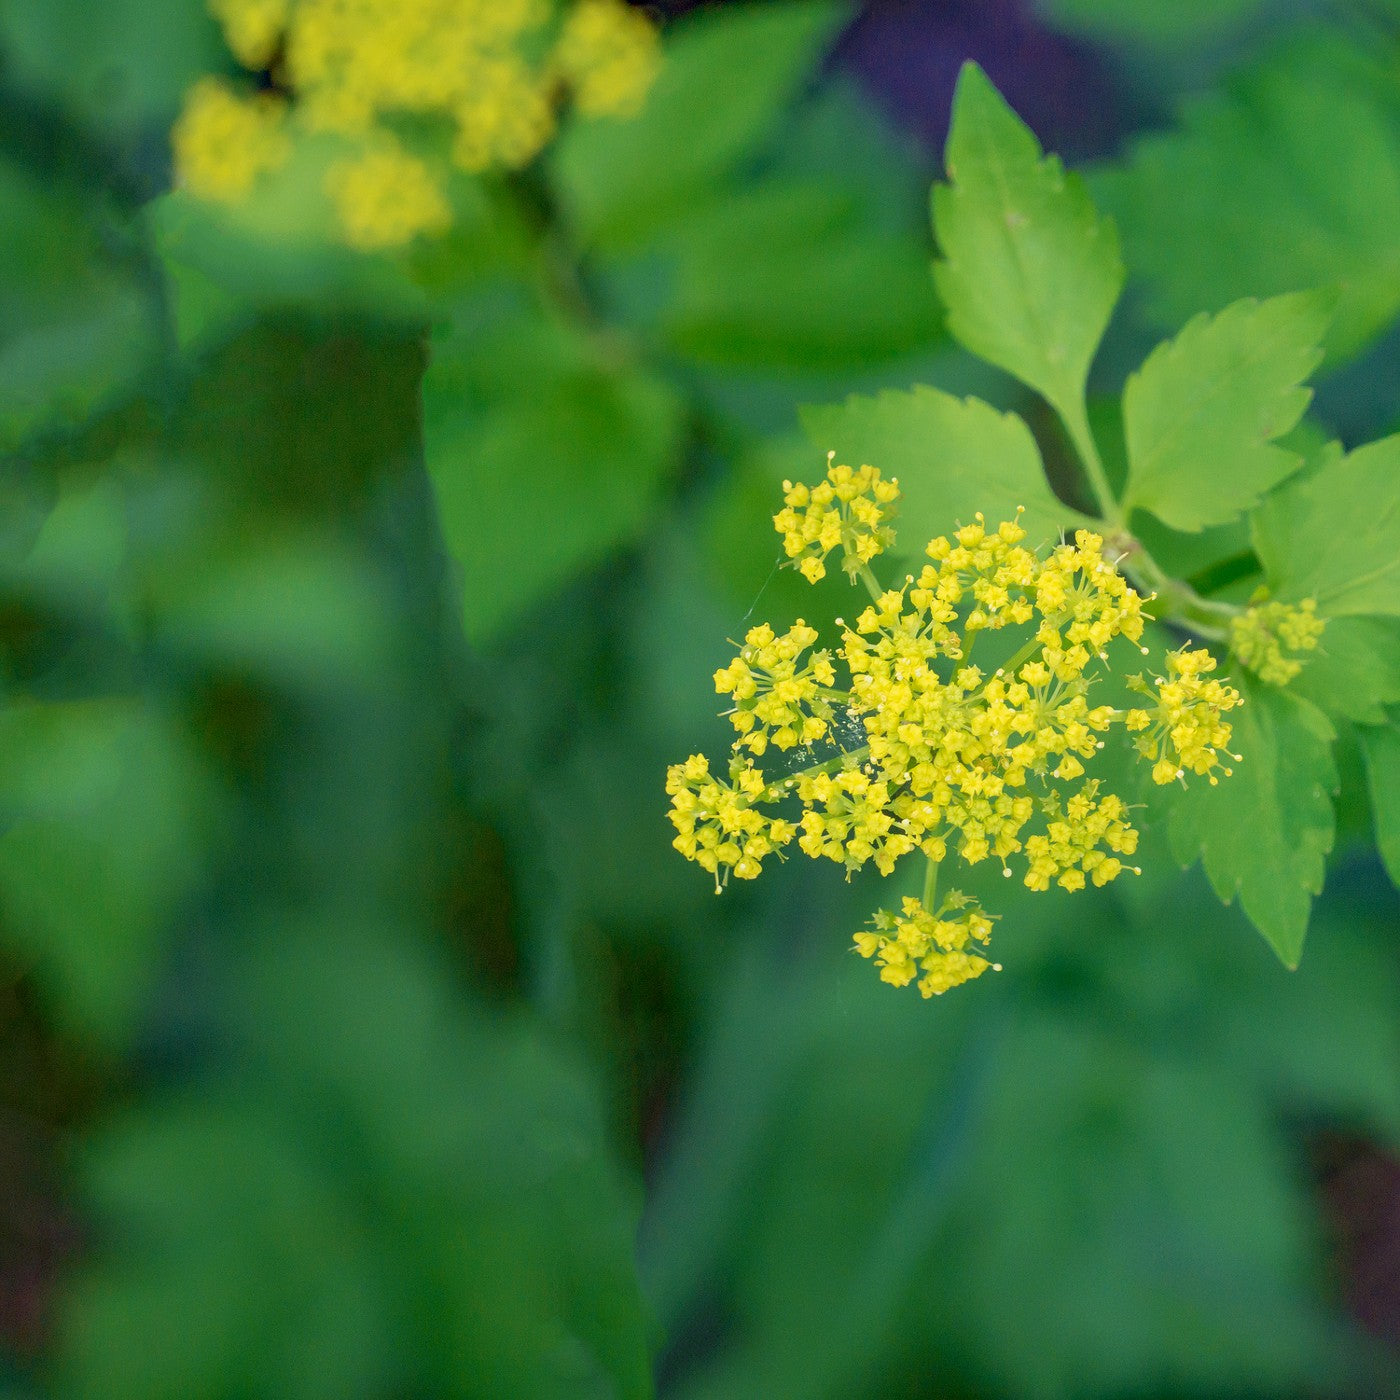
(849, 511)
(919, 750)
(1270, 637)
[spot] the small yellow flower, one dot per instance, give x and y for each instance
(1185, 730)
(946, 947)
(850, 511)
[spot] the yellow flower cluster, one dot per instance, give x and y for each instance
(490, 73)
(934, 754)
(719, 826)
(1184, 729)
(775, 699)
(850, 510)
(223, 142)
(903, 945)
(1269, 636)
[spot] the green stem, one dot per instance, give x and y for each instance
(930, 885)
(872, 584)
(1076, 421)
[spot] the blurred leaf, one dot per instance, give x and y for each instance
(300, 611)
(1164, 22)
(102, 807)
(622, 180)
(78, 325)
(1029, 272)
(952, 456)
(1201, 413)
(783, 276)
(120, 67)
(1381, 745)
(546, 452)
(1288, 179)
(1355, 671)
(1333, 533)
(1264, 832)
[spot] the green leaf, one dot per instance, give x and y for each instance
(1288, 179)
(1355, 671)
(1201, 414)
(953, 457)
(783, 277)
(1029, 271)
(621, 180)
(1264, 832)
(545, 454)
(1381, 746)
(1333, 533)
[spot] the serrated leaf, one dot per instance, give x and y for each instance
(1028, 270)
(543, 454)
(1264, 832)
(620, 180)
(1333, 534)
(1380, 744)
(1201, 414)
(1289, 178)
(1355, 671)
(953, 457)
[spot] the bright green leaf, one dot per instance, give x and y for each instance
(1029, 271)
(1333, 534)
(621, 180)
(1381, 746)
(953, 457)
(1201, 414)
(544, 455)
(1264, 832)
(1289, 179)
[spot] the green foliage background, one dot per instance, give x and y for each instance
(355, 1006)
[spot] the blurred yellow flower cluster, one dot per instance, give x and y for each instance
(1270, 636)
(491, 73)
(932, 753)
